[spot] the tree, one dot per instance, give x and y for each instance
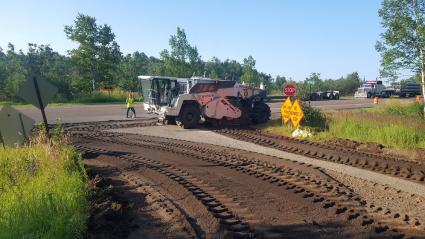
(131, 66)
(97, 55)
(51, 66)
(250, 74)
(3, 73)
(402, 43)
(183, 60)
(232, 70)
(16, 72)
(279, 82)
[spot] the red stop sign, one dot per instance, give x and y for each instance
(290, 90)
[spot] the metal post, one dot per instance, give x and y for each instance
(309, 96)
(40, 103)
(2, 140)
(23, 127)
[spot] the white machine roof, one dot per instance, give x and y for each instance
(151, 77)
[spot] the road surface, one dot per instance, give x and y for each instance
(102, 112)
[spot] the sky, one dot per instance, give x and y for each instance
(285, 37)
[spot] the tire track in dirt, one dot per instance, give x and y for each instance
(396, 167)
(269, 173)
(330, 195)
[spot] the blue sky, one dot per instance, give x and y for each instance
(290, 38)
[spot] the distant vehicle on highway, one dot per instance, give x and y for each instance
(325, 95)
(370, 89)
(412, 89)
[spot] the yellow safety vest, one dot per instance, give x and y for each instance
(130, 102)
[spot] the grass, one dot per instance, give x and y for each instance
(393, 125)
(414, 110)
(396, 131)
(42, 191)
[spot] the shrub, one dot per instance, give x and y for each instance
(314, 117)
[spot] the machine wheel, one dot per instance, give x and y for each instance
(369, 95)
(189, 116)
(261, 113)
(336, 97)
(169, 120)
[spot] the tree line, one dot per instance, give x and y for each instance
(98, 62)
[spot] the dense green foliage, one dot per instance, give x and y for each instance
(345, 85)
(402, 43)
(97, 61)
(42, 192)
(97, 56)
(314, 118)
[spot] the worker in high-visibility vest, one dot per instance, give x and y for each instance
(130, 105)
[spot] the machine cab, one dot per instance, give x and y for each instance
(158, 91)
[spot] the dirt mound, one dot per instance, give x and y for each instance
(351, 144)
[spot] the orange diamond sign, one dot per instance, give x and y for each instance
(285, 110)
(297, 113)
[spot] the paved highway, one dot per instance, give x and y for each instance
(102, 112)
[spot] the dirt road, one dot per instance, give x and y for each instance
(176, 188)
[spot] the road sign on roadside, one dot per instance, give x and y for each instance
(38, 92)
(28, 91)
(285, 110)
(310, 82)
(296, 113)
(290, 90)
(14, 126)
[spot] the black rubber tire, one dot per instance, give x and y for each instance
(189, 116)
(170, 120)
(369, 95)
(336, 97)
(261, 113)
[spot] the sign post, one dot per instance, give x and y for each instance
(2, 140)
(38, 92)
(40, 102)
(290, 90)
(310, 82)
(285, 110)
(291, 111)
(297, 113)
(14, 126)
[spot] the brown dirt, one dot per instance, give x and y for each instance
(121, 209)
(415, 155)
(356, 145)
(164, 188)
(341, 151)
(269, 209)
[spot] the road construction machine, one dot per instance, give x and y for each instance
(187, 102)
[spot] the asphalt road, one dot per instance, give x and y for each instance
(103, 112)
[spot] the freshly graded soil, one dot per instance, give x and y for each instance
(147, 186)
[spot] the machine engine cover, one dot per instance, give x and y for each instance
(221, 107)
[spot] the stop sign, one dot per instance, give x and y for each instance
(290, 90)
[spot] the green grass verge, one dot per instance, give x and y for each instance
(42, 192)
(115, 97)
(393, 125)
(390, 130)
